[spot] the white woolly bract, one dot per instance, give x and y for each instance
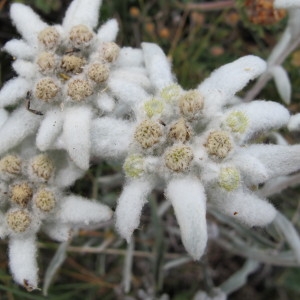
(283, 83)
(126, 91)
(245, 207)
(82, 12)
(189, 202)
(130, 57)
(108, 31)
(3, 116)
(227, 80)
(25, 68)
(262, 116)
(22, 261)
(294, 123)
(286, 3)
(130, 204)
(158, 66)
(19, 49)
(20, 124)
(76, 134)
(106, 103)
(27, 22)
(277, 159)
(82, 212)
(135, 75)
(67, 174)
(111, 137)
(57, 231)
(13, 91)
(50, 128)
(252, 169)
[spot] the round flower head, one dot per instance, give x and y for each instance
(109, 51)
(44, 200)
(134, 166)
(148, 133)
(79, 89)
(46, 89)
(191, 103)
(180, 131)
(80, 35)
(49, 38)
(72, 64)
(218, 144)
(18, 220)
(171, 92)
(11, 165)
(237, 121)
(98, 72)
(46, 62)
(21, 193)
(178, 158)
(229, 178)
(42, 167)
(153, 107)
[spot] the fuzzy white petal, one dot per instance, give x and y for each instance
(28, 23)
(19, 125)
(67, 173)
(135, 75)
(262, 116)
(158, 66)
(25, 68)
(3, 116)
(111, 137)
(57, 231)
(13, 91)
(76, 134)
(252, 169)
(126, 91)
(82, 12)
(108, 31)
(130, 57)
(106, 103)
(130, 205)
(224, 82)
(22, 261)
(243, 206)
(19, 49)
(82, 212)
(282, 82)
(50, 128)
(277, 159)
(189, 201)
(294, 123)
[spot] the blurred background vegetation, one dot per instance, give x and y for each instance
(198, 37)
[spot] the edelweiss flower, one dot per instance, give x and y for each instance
(64, 72)
(196, 145)
(33, 199)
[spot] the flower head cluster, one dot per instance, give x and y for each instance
(202, 145)
(63, 78)
(33, 199)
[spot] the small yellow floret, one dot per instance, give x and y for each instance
(218, 144)
(134, 166)
(237, 121)
(49, 37)
(21, 193)
(171, 92)
(44, 200)
(191, 103)
(229, 178)
(80, 35)
(153, 107)
(79, 89)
